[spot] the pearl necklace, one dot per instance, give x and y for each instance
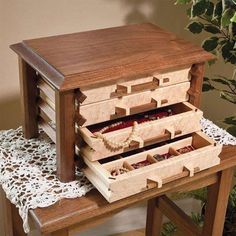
(133, 135)
(117, 145)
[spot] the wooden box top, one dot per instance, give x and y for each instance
(106, 56)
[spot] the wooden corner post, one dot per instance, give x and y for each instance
(28, 90)
(65, 135)
(197, 73)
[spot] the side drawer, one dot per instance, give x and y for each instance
(119, 107)
(137, 85)
(169, 122)
(123, 176)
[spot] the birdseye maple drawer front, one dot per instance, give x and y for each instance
(125, 175)
(132, 104)
(137, 85)
(136, 131)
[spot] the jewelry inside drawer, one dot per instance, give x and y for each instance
(135, 103)
(139, 130)
(124, 175)
(137, 85)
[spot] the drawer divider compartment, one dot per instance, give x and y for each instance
(133, 173)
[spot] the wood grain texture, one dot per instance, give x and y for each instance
(35, 61)
(158, 173)
(65, 135)
(118, 107)
(186, 120)
(137, 85)
(154, 219)
(178, 217)
(197, 73)
(70, 212)
(217, 200)
(28, 90)
(109, 56)
(5, 215)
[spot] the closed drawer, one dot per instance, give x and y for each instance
(137, 85)
(152, 127)
(135, 103)
(125, 175)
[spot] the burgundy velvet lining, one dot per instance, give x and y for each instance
(140, 118)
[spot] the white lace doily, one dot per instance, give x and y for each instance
(27, 170)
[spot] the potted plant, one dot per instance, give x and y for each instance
(218, 18)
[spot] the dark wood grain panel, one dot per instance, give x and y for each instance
(106, 56)
(65, 135)
(35, 61)
(29, 93)
(197, 73)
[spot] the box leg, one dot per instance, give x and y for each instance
(28, 89)
(217, 201)
(65, 135)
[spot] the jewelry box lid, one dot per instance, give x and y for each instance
(107, 56)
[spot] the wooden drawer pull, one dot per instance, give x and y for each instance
(152, 85)
(125, 111)
(154, 182)
(158, 182)
(142, 108)
(120, 91)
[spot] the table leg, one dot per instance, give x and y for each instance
(5, 214)
(65, 135)
(217, 200)
(28, 90)
(154, 218)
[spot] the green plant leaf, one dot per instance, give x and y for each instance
(221, 81)
(212, 29)
(182, 1)
(210, 44)
(232, 82)
(207, 87)
(232, 130)
(195, 27)
(218, 10)
(188, 12)
(233, 19)
(212, 62)
(199, 7)
(230, 120)
(228, 96)
(168, 229)
(226, 50)
(226, 17)
(210, 10)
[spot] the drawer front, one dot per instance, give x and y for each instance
(128, 175)
(184, 119)
(137, 85)
(119, 107)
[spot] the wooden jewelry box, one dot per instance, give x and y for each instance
(125, 98)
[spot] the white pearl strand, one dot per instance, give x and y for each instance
(117, 145)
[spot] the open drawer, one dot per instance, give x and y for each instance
(124, 175)
(132, 104)
(152, 127)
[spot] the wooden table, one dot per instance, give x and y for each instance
(70, 215)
